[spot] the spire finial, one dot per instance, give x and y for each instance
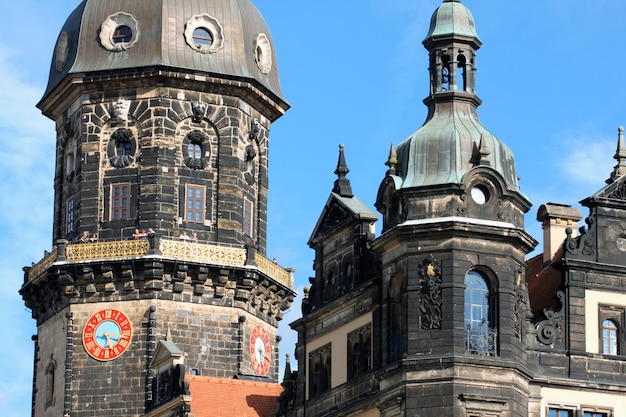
(342, 183)
(392, 161)
(482, 152)
(620, 156)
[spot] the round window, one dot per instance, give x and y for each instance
(202, 36)
(122, 34)
(479, 194)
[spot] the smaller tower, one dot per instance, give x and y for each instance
(343, 295)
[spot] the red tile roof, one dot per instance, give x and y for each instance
(544, 280)
(222, 397)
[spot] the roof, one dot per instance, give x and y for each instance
(223, 397)
(242, 46)
(544, 281)
(452, 19)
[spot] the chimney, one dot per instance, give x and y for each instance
(555, 218)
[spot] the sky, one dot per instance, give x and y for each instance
(551, 75)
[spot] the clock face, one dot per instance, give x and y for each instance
(107, 334)
(260, 351)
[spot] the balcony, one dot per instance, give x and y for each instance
(168, 248)
(481, 341)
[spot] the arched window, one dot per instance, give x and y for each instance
(610, 344)
(476, 301)
(480, 332)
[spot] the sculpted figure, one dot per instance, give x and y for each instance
(120, 109)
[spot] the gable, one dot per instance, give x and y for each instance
(338, 212)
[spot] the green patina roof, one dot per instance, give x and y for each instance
(452, 18)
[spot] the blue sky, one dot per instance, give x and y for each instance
(551, 74)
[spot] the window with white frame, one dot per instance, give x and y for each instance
(120, 200)
(195, 203)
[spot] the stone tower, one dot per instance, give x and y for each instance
(454, 245)
(433, 321)
(163, 112)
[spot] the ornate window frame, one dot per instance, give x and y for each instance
(616, 314)
(263, 53)
(121, 135)
(196, 137)
(212, 25)
(109, 26)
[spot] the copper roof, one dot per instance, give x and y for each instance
(160, 40)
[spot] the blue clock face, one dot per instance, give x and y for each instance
(107, 334)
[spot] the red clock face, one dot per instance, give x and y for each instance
(107, 334)
(260, 351)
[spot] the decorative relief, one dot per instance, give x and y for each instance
(121, 148)
(121, 109)
(273, 270)
(111, 25)
(214, 254)
(61, 51)
(121, 249)
(619, 193)
(584, 244)
(550, 330)
(198, 109)
(430, 293)
(521, 304)
(263, 53)
(196, 150)
(249, 164)
(43, 265)
(212, 25)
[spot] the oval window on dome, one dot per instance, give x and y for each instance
(202, 36)
(119, 32)
(263, 53)
(204, 33)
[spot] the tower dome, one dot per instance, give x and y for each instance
(452, 18)
(224, 39)
(452, 141)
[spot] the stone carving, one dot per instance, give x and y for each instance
(195, 148)
(198, 108)
(619, 193)
(255, 127)
(121, 148)
(550, 330)
(430, 293)
(584, 244)
(249, 165)
(120, 109)
(521, 304)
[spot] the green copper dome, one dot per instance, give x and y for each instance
(452, 18)
(452, 141)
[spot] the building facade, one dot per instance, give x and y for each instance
(442, 314)
(158, 298)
